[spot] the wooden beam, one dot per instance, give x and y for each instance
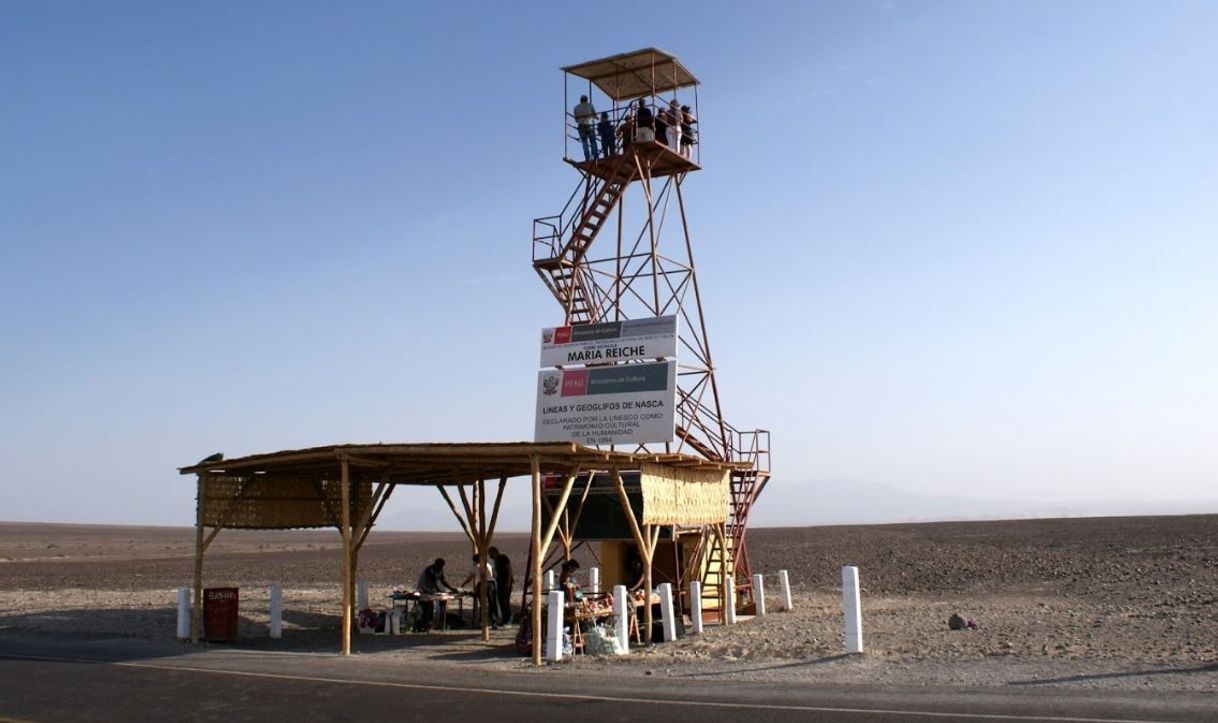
(579, 511)
(567, 484)
(344, 492)
(380, 506)
(468, 533)
(625, 500)
(196, 622)
(371, 511)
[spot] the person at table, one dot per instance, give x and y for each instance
(492, 597)
(636, 573)
(431, 582)
(505, 580)
(566, 579)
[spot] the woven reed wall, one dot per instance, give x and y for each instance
(266, 502)
(683, 496)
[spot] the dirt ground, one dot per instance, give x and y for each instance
(1104, 602)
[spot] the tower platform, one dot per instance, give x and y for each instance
(657, 159)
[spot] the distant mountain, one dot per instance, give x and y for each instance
(843, 502)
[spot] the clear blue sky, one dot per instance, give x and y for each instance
(959, 248)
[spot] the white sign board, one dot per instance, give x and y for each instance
(620, 404)
(618, 341)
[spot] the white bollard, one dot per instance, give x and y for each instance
(276, 611)
(361, 595)
(395, 621)
(667, 615)
(695, 606)
(621, 617)
(550, 582)
(853, 609)
(759, 593)
(183, 613)
(594, 580)
(554, 626)
(729, 613)
(785, 582)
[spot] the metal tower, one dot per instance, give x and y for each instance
(621, 249)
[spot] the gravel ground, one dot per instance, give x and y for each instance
(1106, 603)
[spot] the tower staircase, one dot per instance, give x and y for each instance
(560, 242)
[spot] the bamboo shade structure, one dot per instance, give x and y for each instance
(275, 502)
(675, 496)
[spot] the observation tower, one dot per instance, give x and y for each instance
(622, 249)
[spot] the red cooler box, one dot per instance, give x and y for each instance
(220, 614)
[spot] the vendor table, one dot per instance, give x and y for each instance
(595, 608)
(441, 599)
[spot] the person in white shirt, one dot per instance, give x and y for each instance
(585, 121)
(492, 595)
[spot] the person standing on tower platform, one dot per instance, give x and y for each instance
(674, 126)
(661, 123)
(605, 130)
(687, 131)
(626, 131)
(645, 121)
(585, 121)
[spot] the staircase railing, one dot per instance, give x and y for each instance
(549, 231)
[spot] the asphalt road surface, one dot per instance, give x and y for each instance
(232, 686)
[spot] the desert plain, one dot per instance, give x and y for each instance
(1122, 603)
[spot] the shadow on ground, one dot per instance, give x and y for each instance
(129, 634)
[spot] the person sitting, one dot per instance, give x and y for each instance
(431, 582)
(566, 579)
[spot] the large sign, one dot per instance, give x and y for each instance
(618, 341)
(622, 404)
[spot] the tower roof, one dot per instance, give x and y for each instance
(635, 74)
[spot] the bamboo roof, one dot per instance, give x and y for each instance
(649, 71)
(442, 463)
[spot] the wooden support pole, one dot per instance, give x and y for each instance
(482, 581)
(196, 622)
(344, 492)
(380, 505)
(647, 585)
(490, 531)
(535, 539)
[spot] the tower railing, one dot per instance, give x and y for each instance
(625, 122)
(752, 447)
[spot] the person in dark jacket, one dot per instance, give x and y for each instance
(431, 581)
(505, 580)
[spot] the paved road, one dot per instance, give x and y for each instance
(229, 686)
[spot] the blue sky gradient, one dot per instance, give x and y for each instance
(959, 248)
